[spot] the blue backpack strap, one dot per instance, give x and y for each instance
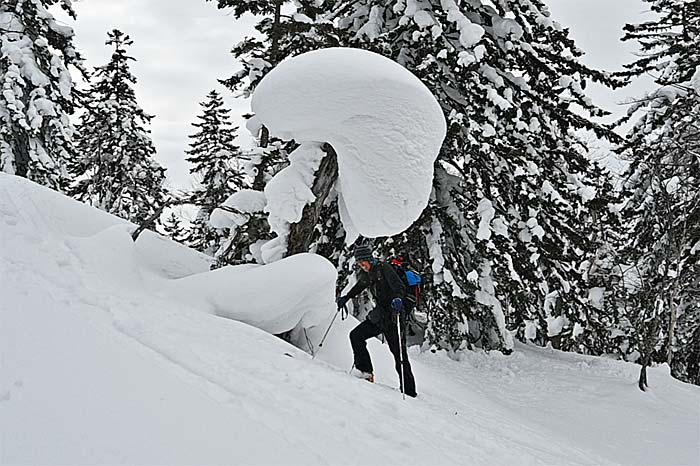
(413, 278)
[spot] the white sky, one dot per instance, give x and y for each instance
(596, 26)
(182, 48)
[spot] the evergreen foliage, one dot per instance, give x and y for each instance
(513, 185)
(522, 235)
(217, 166)
(662, 187)
(37, 93)
(115, 170)
(173, 229)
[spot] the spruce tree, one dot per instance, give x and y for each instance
(217, 166)
(115, 170)
(173, 229)
(662, 186)
(37, 93)
(506, 230)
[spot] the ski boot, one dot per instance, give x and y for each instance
(368, 376)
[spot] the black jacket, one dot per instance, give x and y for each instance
(385, 285)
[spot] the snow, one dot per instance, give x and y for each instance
(531, 329)
(487, 130)
(440, 273)
(535, 228)
(507, 28)
(304, 294)
(384, 124)
(302, 18)
(595, 297)
(549, 190)
(373, 27)
(673, 184)
(469, 33)
(500, 227)
(555, 325)
(695, 248)
(497, 100)
(105, 362)
(670, 93)
(241, 203)
(565, 81)
(486, 214)
(287, 193)
(492, 75)
(486, 295)
(695, 80)
(10, 22)
(423, 19)
(479, 52)
(587, 193)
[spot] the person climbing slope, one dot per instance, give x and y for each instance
(388, 291)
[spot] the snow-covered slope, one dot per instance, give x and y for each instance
(102, 361)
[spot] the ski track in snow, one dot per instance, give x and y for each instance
(103, 366)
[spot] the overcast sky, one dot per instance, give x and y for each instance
(182, 48)
(596, 26)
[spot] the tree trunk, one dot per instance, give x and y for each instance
(643, 375)
(275, 33)
(21, 153)
(301, 233)
(150, 221)
(678, 250)
(672, 325)
(259, 180)
(647, 347)
(153, 219)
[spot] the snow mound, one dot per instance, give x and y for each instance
(237, 208)
(384, 124)
(303, 285)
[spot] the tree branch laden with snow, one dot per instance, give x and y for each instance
(384, 124)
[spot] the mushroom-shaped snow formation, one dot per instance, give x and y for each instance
(384, 124)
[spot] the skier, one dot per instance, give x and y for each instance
(388, 291)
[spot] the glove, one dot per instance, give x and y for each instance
(341, 301)
(397, 305)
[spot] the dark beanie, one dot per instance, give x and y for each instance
(363, 253)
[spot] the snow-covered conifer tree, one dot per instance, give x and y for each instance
(216, 165)
(115, 170)
(513, 185)
(36, 91)
(662, 186)
(173, 229)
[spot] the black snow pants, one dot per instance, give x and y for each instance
(366, 330)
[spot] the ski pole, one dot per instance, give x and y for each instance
(329, 327)
(398, 330)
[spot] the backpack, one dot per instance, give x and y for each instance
(412, 280)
